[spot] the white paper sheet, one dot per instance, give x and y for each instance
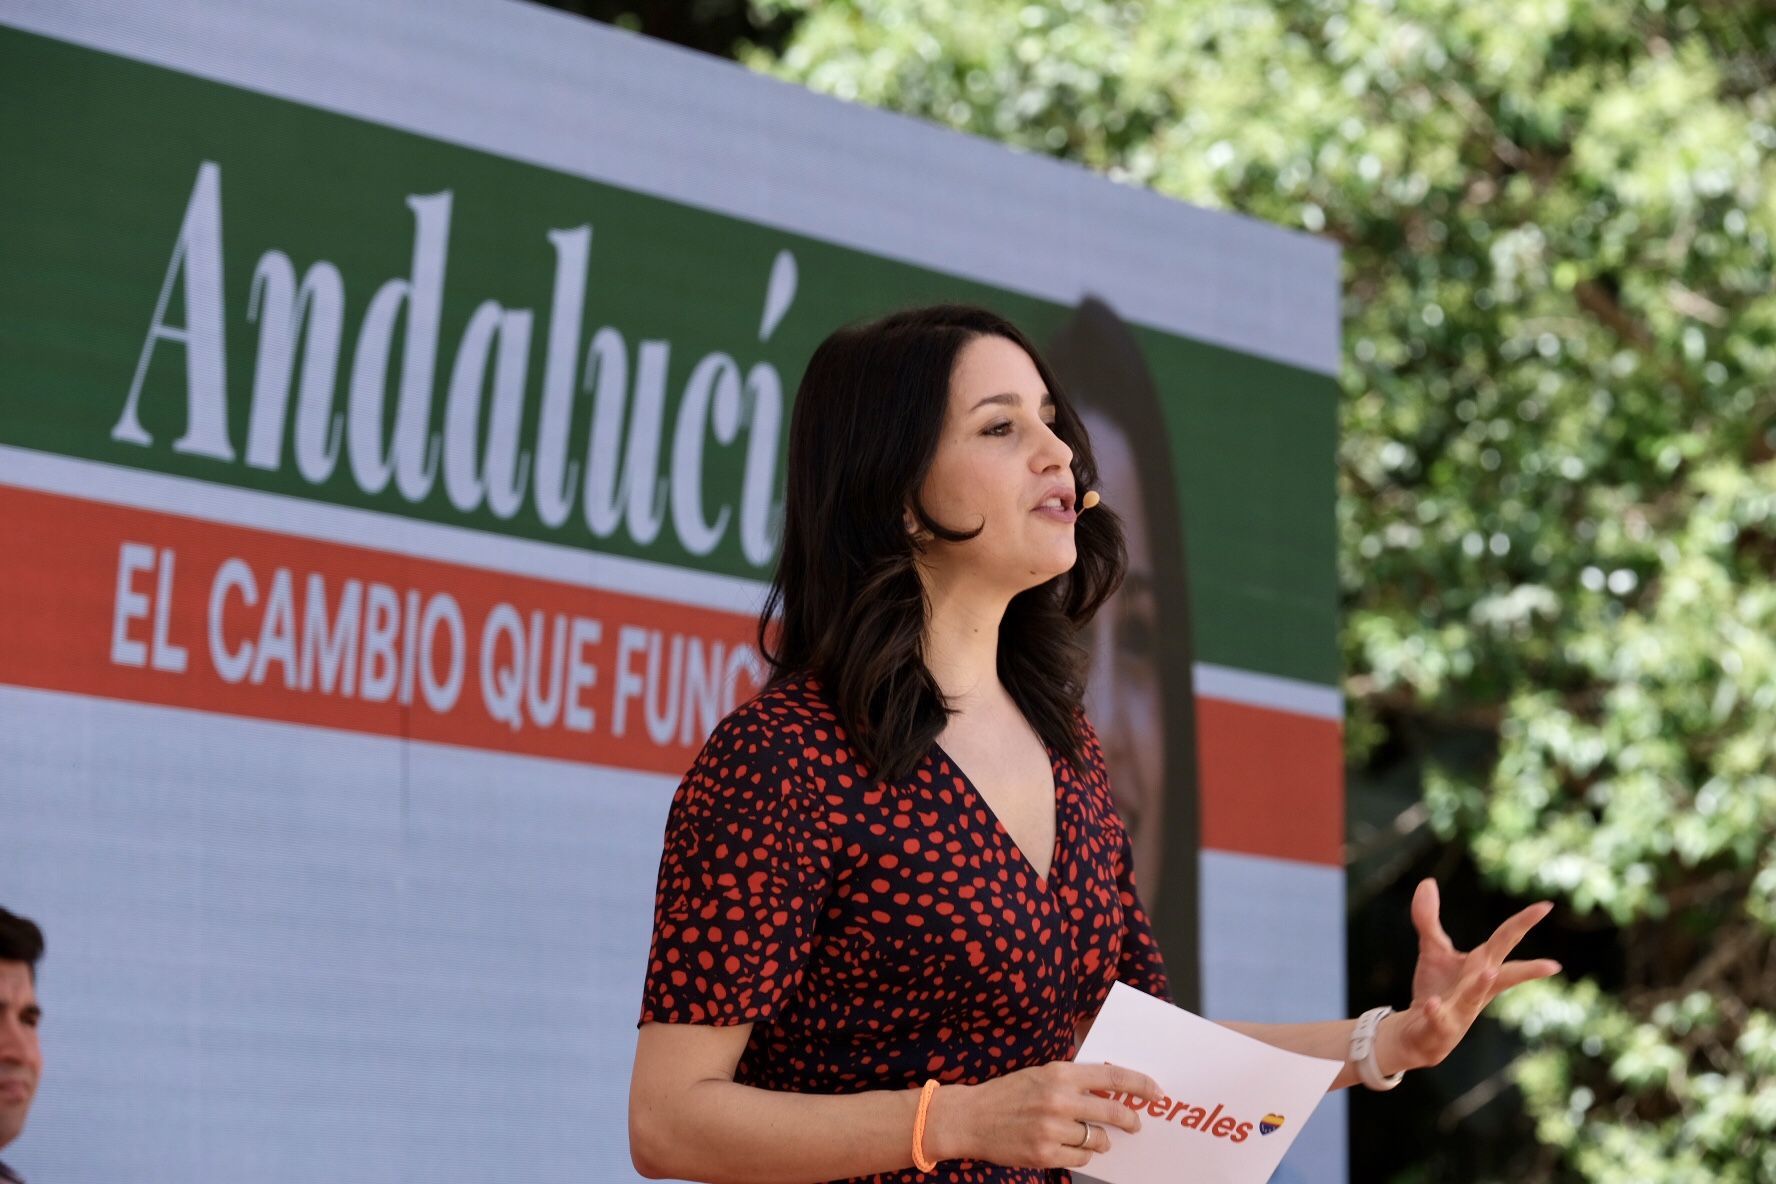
(1233, 1104)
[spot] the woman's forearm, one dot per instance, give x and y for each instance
(1330, 1040)
(719, 1132)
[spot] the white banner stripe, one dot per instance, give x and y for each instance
(348, 525)
(1269, 691)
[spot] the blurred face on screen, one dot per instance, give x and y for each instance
(996, 464)
(21, 1059)
(1122, 694)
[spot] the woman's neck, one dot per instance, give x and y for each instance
(962, 647)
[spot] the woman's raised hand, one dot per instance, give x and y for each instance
(1451, 988)
(1038, 1117)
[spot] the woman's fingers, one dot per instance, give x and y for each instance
(1504, 939)
(1109, 1112)
(1450, 1017)
(1114, 1079)
(1515, 974)
(1072, 1157)
(1475, 990)
(1445, 1020)
(1062, 1113)
(1427, 904)
(1084, 1141)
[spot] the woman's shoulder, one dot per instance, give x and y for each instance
(765, 753)
(792, 704)
(783, 720)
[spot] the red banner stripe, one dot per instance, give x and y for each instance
(108, 600)
(1272, 782)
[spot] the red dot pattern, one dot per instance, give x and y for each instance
(880, 934)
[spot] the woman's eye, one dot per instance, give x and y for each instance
(1004, 428)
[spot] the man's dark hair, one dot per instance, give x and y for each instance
(20, 940)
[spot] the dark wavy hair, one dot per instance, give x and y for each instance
(846, 604)
(20, 940)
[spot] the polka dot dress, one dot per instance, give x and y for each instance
(875, 934)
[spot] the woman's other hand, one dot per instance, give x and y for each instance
(1450, 988)
(1036, 1118)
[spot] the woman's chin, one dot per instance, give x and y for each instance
(1052, 565)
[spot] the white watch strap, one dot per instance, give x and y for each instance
(1362, 1053)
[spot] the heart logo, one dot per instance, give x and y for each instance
(1269, 1123)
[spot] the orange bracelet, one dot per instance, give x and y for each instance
(919, 1160)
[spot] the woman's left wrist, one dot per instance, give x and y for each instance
(1374, 1047)
(1390, 1047)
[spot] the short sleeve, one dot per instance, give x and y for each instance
(744, 876)
(1140, 964)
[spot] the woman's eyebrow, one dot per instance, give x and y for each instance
(1011, 399)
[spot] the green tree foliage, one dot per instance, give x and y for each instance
(1558, 499)
(719, 27)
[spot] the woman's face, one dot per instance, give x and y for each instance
(1123, 691)
(998, 465)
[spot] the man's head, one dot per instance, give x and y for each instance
(21, 1058)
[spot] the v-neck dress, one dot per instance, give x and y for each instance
(879, 934)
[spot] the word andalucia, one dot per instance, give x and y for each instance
(478, 453)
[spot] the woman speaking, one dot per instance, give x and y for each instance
(894, 889)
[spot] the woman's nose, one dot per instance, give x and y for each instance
(1053, 453)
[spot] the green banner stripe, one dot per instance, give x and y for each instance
(114, 166)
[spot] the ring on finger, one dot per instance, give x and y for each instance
(1085, 1139)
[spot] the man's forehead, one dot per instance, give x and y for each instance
(16, 986)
